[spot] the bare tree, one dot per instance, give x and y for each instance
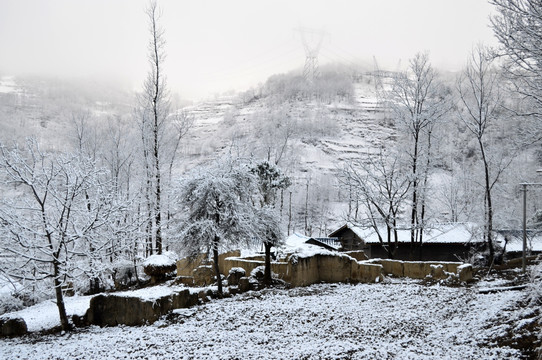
(418, 101)
(480, 103)
(382, 186)
(518, 27)
(54, 226)
(154, 103)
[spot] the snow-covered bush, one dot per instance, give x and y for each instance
(9, 303)
(258, 272)
(158, 266)
(125, 273)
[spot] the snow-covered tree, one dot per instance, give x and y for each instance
(218, 213)
(60, 221)
(270, 179)
(518, 27)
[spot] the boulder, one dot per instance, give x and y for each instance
(12, 327)
(245, 284)
(464, 272)
(258, 273)
(437, 272)
(203, 275)
(112, 310)
(159, 266)
(235, 274)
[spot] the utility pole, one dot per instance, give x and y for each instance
(312, 42)
(524, 254)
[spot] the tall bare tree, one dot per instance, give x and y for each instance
(418, 101)
(154, 103)
(480, 103)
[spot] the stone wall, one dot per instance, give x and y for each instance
(303, 271)
(421, 269)
(359, 255)
(186, 266)
(340, 267)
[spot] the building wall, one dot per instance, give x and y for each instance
(427, 252)
(350, 241)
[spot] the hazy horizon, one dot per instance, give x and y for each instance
(215, 46)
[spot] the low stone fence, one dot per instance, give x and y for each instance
(421, 269)
(303, 271)
(186, 266)
(334, 267)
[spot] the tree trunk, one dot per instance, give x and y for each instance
(307, 210)
(267, 280)
(489, 215)
(64, 323)
(290, 214)
(414, 206)
(217, 270)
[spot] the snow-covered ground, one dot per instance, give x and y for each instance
(393, 320)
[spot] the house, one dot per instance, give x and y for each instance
(441, 242)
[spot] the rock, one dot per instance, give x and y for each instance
(235, 274)
(203, 275)
(244, 284)
(184, 280)
(158, 272)
(13, 327)
(258, 273)
(112, 310)
(437, 272)
(465, 272)
(80, 321)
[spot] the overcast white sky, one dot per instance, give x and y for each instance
(217, 45)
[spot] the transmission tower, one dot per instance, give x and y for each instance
(312, 42)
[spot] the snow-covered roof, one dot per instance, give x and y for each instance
(448, 233)
(515, 242)
(297, 243)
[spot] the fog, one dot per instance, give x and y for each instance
(215, 46)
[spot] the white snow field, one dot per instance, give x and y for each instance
(391, 320)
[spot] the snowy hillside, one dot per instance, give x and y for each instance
(312, 141)
(356, 128)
